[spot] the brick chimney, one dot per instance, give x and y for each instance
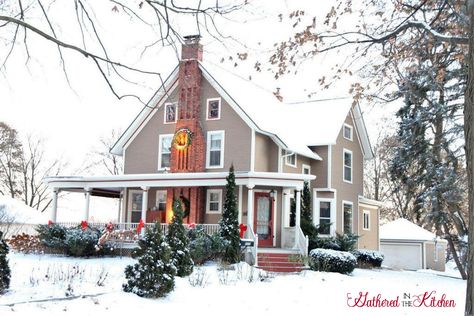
(192, 158)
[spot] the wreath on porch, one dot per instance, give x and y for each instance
(182, 138)
(186, 206)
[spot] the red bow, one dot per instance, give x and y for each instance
(141, 224)
(84, 225)
(192, 225)
(243, 229)
(110, 226)
(50, 223)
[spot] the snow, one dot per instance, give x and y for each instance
(18, 212)
(405, 230)
(216, 291)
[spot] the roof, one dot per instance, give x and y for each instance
(402, 229)
(293, 126)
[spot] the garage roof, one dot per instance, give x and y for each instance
(402, 229)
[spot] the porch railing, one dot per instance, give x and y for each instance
(254, 250)
(302, 242)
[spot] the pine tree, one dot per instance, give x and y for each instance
(153, 275)
(4, 268)
(306, 209)
(229, 224)
(179, 242)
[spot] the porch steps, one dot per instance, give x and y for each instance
(286, 262)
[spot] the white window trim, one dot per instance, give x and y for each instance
(364, 212)
(156, 197)
(344, 151)
(208, 149)
(286, 159)
(351, 128)
(159, 149)
(175, 114)
(342, 217)
(305, 166)
(316, 213)
(208, 200)
(207, 109)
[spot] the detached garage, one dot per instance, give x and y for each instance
(408, 246)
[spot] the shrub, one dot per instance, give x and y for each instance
(52, 236)
(332, 261)
(179, 242)
(81, 243)
(341, 242)
(368, 258)
(204, 247)
(4, 268)
(26, 243)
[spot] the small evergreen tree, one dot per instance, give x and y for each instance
(179, 242)
(4, 268)
(293, 212)
(229, 224)
(306, 209)
(153, 275)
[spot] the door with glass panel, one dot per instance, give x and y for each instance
(135, 205)
(263, 219)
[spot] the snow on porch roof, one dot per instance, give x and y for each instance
(402, 229)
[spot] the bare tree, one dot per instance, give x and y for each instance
(104, 159)
(10, 161)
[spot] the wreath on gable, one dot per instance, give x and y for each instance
(182, 138)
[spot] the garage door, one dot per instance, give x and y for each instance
(402, 256)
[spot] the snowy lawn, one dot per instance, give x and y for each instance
(94, 288)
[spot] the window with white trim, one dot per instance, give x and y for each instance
(215, 149)
(306, 169)
(347, 217)
(161, 200)
(347, 165)
(171, 112)
(290, 158)
(214, 201)
(347, 131)
(164, 152)
(366, 220)
(324, 224)
(214, 109)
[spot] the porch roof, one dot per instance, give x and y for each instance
(115, 183)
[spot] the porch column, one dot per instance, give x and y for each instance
(250, 209)
(240, 204)
(54, 205)
(298, 215)
(87, 192)
(144, 203)
(119, 215)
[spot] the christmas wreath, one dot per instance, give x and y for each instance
(182, 138)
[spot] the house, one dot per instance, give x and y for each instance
(408, 246)
(205, 119)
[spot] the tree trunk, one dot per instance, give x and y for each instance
(452, 247)
(469, 138)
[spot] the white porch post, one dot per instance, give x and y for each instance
(250, 209)
(298, 215)
(144, 203)
(87, 192)
(119, 215)
(240, 204)
(54, 206)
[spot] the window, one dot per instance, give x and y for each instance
(164, 152)
(136, 198)
(347, 132)
(161, 200)
(214, 201)
(306, 169)
(290, 158)
(324, 217)
(347, 216)
(170, 112)
(347, 161)
(215, 149)
(214, 109)
(366, 220)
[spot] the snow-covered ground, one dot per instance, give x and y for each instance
(15, 211)
(243, 291)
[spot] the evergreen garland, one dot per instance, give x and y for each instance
(4, 268)
(229, 224)
(153, 275)
(179, 242)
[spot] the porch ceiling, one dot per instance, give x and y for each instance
(115, 183)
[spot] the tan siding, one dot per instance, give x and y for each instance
(369, 239)
(438, 265)
(325, 195)
(300, 160)
(319, 168)
(347, 191)
(266, 154)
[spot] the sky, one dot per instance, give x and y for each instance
(71, 114)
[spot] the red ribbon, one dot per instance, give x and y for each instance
(50, 223)
(192, 225)
(141, 224)
(84, 225)
(243, 229)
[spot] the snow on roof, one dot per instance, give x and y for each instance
(403, 229)
(15, 211)
(297, 125)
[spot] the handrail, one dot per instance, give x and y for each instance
(302, 242)
(254, 250)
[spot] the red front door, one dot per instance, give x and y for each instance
(263, 222)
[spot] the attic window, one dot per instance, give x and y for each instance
(290, 158)
(214, 109)
(347, 131)
(170, 112)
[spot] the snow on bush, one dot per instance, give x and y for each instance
(332, 261)
(368, 258)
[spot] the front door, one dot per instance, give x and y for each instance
(135, 205)
(263, 223)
